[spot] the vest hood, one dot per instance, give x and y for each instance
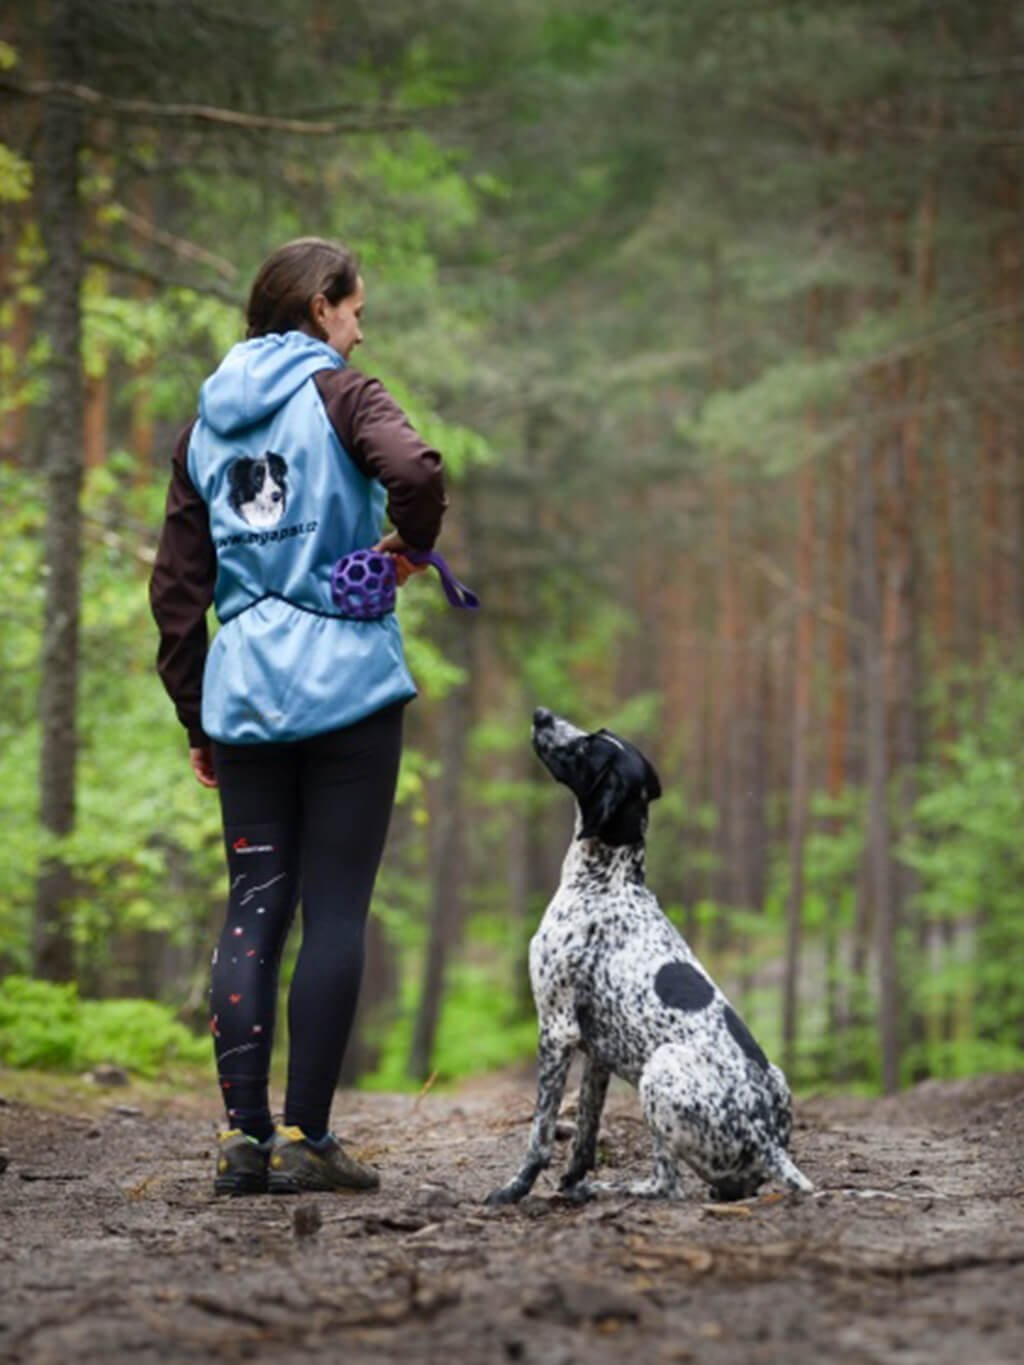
(257, 377)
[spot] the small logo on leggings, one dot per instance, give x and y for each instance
(243, 846)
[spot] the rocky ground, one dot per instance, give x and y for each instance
(911, 1250)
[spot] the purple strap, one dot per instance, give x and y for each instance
(457, 593)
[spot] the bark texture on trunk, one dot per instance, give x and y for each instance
(879, 862)
(446, 860)
(57, 172)
(799, 776)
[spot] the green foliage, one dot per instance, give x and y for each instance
(15, 171)
(47, 1026)
(38, 1023)
(591, 281)
(480, 1028)
(22, 382)
(15, 177)
(146, 846)
(769, 415)
(182, 331)
(969, 854)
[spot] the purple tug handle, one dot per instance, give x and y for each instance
(363, 583)
(457, 593)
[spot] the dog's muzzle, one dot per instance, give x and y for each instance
(551, 733)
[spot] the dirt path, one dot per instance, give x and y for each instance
(912, 1251)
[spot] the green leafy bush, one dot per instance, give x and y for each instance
(38, 1023)
(46, 1025)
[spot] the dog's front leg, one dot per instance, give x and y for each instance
(593, 1089)
(554, 1054)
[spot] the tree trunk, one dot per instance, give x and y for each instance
(799, 773)
(57, 172)
(527, 884)
(878, 841)
(97, 405)
(945, 596)
(906, 730)
(446, 856)
(838, 721)
(799, 783)
(140, 430)
(724, 702)
(1009, 255)
(376, 1007)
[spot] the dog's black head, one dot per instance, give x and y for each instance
(610, 778)
(248, 478)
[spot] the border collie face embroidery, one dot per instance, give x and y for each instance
(259, 489)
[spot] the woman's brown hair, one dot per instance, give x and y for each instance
(291, 277)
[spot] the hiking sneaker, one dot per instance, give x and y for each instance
(241, 1164)
(298, 1163)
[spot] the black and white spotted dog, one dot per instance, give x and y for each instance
(258, 489)
(612, 977)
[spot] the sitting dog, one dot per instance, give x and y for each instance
(613, 977)
(259, 489)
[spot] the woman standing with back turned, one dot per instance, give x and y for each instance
(294, 712)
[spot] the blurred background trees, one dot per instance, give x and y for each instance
(716, 312)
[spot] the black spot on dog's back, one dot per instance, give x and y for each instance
(682, 987)
(748, 1043)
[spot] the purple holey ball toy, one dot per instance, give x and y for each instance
(364, 583)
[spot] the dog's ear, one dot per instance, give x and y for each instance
(601, 803)
(277, 465)
(614, 808)
(238, 481)
(238, 471)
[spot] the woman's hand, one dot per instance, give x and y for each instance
(393, 544)
(202, 765)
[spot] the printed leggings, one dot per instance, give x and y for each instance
(308, 816)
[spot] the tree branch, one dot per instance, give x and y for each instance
(967, 137)
(178, 246)
(971, 322)
(374, 121)
(161, 279)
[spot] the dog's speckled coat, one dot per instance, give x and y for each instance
(613, 977)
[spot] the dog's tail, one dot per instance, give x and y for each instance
(789, 1173)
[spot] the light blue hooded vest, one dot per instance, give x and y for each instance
(285, 502)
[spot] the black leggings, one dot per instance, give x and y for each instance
(312, 814)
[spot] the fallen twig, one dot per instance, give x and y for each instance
(427, 1086)
(51, 1175)
(210, 1304)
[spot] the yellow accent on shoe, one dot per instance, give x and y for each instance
(297, 1164)
(241, 1164)
(292, 1132)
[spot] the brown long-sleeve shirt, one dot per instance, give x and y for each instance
(384, 445)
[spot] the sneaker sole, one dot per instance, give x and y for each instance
(284, 1182)
(240, 1183)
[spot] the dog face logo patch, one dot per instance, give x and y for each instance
(258, 489)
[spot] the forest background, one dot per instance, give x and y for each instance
(715, 309)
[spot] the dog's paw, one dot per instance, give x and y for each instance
(504, 1194)
(577, 1191)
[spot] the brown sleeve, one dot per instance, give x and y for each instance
(181, 590)
(384, 445)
